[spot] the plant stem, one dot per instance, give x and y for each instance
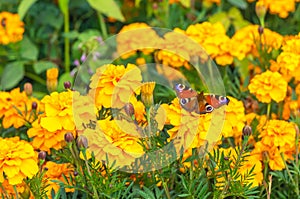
(35, 78)
(102, 26)
(16, 191)
(269, 110)
(67, 41)
(289, 173)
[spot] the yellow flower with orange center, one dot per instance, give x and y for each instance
(17, 160)
(129, 40)
(112, 86)
(247, 41)
(282, 8)
(49, 129)
(213, 39)
(57, 172)
(11, 28)
(16, 108)
(268, 86)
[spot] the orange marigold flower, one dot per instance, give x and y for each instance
(113, 85)
(282, 8)
(11, 28)
(17, 160)
(213, 39)
(49, 129)
(247, 40)
(268, 86)
(55, 172)
(288, 61)
(129, 40)
(22, 189)
(16, 108)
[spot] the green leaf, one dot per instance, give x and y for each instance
(63, 6)
(63, 78)
(13, 73)
(107, 7)
(24, 7)
(28, 49)
(242, 4)
(41, 66)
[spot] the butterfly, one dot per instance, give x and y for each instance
(201, 103)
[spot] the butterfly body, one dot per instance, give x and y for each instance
(200, 103)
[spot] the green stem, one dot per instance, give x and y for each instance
(166, 188)
(96, 196)
(289, 173)
(35, 78)
(102, 26)
(16, 191)
(269, 110)
(67, 41)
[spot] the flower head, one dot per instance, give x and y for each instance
(56, 172)
(11, 28)
(268, 86)
(49, 129)
(113, 85)
(17, 160)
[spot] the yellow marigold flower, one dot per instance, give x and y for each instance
(147, 93)
(247, 39)
(112, 142)
(17, 159)
(11, 28)
(288, 61)
(113, 85)
(129, 40)
(177, 48)
(22, 189)
(55, 172)
(282, 8)
(234, 119)
(49, 129)
(278, 133)
(52, 75)
(16, 108)
(268, 86)
(213, 39)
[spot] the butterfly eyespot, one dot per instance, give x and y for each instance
(180, 86)
(222, 98)
(209, 108)
(183, 101)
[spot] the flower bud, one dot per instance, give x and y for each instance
(82, 142)
(34, 105)
(42, 155)
(67, 85)
(75, 173)
(147, 93)
(28, 89)
(69, 137)
(261, 11)
(260, 30)
(247, 130)
(52, 75)
(226, 158)
(129, 109)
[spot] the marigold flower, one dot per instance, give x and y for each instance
(282, 8)
(129, 40)
(16, 108)
(247, 40)
(17, 159)
(49, 129)
(268, 86)
(11, 28)
(288, 61)
(55, 172)
(113, 85)
(213, 39)
(22, 189)
(147, 93)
